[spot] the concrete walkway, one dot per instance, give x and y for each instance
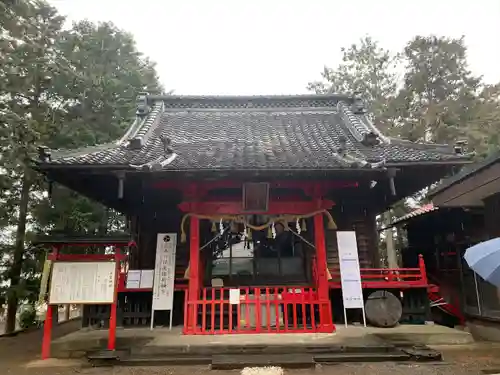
(142, 341)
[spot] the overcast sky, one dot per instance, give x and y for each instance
(277, 46)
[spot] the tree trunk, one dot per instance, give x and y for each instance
(392, 258)
(17, 261)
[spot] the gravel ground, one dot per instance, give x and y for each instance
(344, 369)
(18, 356)
(457, 362)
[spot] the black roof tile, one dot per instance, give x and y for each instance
(280, 132)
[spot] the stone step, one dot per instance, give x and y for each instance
(220, 349)
(233, 362)
(361, 357)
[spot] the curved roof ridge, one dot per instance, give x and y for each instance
(133, 130)
(353, 124)
(250, 102)
(421, 145)
(141, 136)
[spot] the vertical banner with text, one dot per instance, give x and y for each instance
(164, 274)
(350, 273)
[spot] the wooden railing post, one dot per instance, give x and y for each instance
(421, 266)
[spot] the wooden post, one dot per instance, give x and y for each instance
(194, 271)
(323, 290)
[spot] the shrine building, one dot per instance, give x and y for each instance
(254, 190)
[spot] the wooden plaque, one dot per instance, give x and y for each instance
(256, 197)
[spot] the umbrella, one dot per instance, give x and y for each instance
(484, 259)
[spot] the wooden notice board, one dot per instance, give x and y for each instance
(82, 283)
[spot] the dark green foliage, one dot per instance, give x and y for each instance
(62, 89)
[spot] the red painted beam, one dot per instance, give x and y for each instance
(236, 208)
(230, 184)
(287, 197)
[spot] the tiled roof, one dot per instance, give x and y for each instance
(426, 208)
(282, 132)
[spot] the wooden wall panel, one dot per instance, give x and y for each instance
(366, 236)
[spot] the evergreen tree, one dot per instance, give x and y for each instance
(439, 94)
(368, 69)
(62, 89)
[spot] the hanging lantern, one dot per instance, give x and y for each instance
(304, 225)
(214, 227)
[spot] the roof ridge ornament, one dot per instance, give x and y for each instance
(143, 107)
(352, 160)
(460, 146)
(358, 106)
(44, 154)
(167, 145)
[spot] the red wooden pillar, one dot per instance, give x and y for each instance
(112, 314)
(49, 316)
(194, 272)
(323, 289)
(47, 332)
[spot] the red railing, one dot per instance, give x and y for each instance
(385, 278)
(257, 310)
(371, 278)
(445, 297)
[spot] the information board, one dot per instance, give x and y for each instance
(139, 279)
(82, 283)
(164, 274)
(350, 273)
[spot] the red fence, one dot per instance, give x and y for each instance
(386, 278)
(257, 310)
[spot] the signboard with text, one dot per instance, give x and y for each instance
(350, 273)
(164, 274)
(82, 283)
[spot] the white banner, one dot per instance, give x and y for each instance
(350, 275)
(164, 274)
